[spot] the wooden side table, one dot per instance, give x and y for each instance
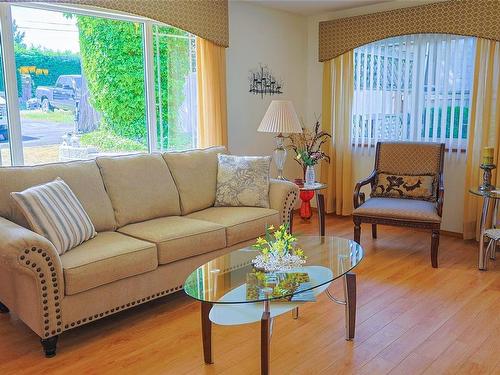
(307, 193)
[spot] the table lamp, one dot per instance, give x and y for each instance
(280, 118)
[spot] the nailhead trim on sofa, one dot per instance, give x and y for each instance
(41, 264)
(288, 206)
(126, 306)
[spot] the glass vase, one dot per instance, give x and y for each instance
(310, 177)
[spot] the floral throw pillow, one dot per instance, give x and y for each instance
(243, 181)
(405, 186)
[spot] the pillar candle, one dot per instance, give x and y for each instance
(488, 153)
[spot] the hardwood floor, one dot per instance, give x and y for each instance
(411, 319)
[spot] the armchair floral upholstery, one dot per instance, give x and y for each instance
(403, 159)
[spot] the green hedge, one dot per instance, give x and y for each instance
(56, 63)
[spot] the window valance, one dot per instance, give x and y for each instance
(207, 19)
(461, 17)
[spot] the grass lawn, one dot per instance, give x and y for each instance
(58, 116)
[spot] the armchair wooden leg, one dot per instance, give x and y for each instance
(357, 230)
(374, 230)
(434, 247)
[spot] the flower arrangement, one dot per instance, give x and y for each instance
(278, 251)
(307, 146)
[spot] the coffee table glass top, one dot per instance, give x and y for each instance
(328, 258)
(495, 193)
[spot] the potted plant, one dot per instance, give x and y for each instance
(278, 251)
(307, 148)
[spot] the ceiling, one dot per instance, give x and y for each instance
(314, 7)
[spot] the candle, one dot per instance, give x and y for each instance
(488, 155)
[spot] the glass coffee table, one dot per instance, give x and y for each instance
(232, 291)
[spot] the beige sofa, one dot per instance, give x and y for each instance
(156, 223)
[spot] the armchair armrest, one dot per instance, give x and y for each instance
(359, 197)
(440, 198)
(31, 280)
(282, 197)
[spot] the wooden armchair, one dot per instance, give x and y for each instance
(403, 159)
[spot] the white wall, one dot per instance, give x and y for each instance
(274, 38)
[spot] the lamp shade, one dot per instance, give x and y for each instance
(280, 117)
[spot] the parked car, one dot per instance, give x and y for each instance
(4, 129)
(64, 95)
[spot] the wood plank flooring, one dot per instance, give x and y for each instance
(411, 319)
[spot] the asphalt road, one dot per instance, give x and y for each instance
(40, 133)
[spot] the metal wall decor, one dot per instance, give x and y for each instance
(263, 82)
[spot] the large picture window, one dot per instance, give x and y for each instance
(95, 84)
(414, 88)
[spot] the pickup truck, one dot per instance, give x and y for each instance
(64, 95)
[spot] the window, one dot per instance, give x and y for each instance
(92, 84)
(413, 87)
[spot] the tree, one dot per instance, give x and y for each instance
(112, 58)
(18, 35)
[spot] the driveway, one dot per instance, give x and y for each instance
(42, 133)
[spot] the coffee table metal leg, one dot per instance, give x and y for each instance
(350, 305)
(320, 202)
(483, 259)
(206, 331)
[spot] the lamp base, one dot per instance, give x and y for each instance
(279, 156)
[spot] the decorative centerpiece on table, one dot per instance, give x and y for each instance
(487, 166)
(307, 147)
(278, 251)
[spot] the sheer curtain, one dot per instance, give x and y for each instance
(413, 88)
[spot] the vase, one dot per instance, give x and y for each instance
(310, 177)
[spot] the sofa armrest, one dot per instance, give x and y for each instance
(31, 280)
(282, 197)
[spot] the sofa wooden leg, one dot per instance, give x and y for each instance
(49, 346)
(357, 230)
(374, 230)
(3, 309)
(434, 247)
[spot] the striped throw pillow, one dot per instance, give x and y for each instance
(53, 211)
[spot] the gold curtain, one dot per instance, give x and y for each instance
(484, 128)
(338, 90)
(211, 80)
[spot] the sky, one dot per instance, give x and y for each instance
(46, 29)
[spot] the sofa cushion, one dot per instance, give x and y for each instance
(53, 211)
(242, 223)
(195, 175)
(140, 187)
(178, 237)
(242, 181)
(82, 177)
(399, 209)
(108, 257)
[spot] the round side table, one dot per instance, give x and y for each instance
(488, 197)
(307, 193)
